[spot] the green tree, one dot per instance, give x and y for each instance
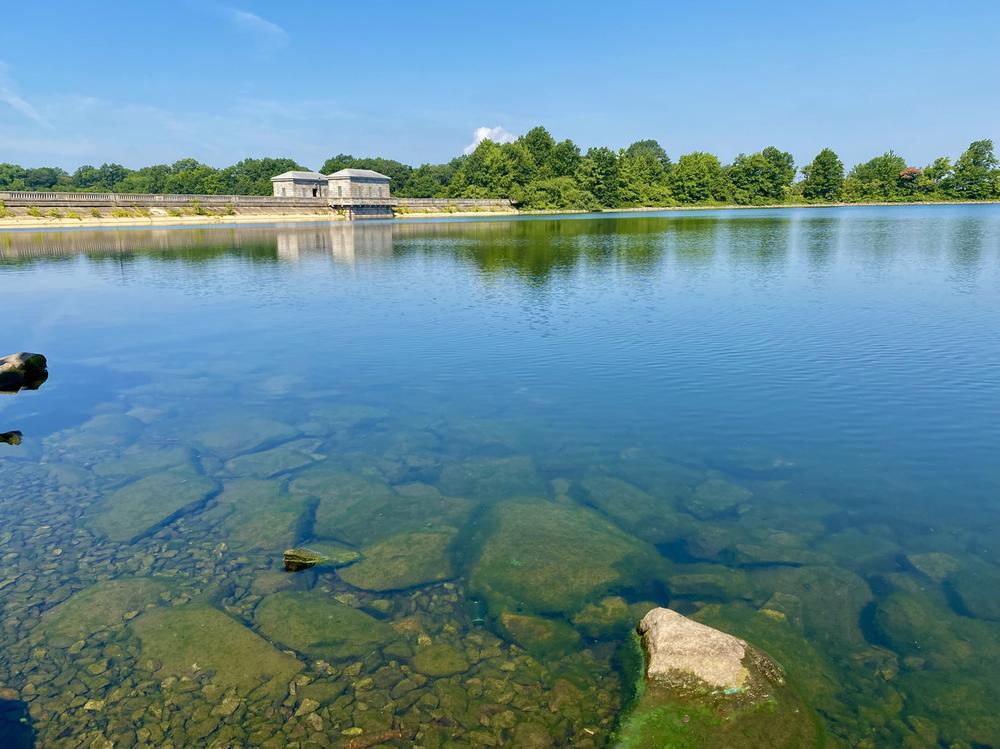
(698, 178)
(564, 159)
(557, 193)
(539, 143)
(824, 177)
(13, 177)
(762, 177)
(877, 179)
(976, 176)
(650, 150)
(599, 174)
(938, 177)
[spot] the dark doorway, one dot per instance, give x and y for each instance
(315, 191)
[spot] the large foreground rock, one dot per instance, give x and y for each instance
(22, 371)
(702, 687)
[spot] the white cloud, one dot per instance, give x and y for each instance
(496, 134)
(269, 34)
(10, 96)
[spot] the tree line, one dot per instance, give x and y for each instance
(538, 172)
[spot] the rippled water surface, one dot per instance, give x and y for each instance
(510, 438)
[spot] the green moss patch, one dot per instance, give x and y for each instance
(404, 560)
(539, 636)
(439, 660)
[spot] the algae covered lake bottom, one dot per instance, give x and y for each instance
(508, 439)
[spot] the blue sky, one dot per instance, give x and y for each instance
(146, 82)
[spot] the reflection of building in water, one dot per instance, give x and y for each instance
(344, 241)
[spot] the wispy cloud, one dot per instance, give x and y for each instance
(496, 134)
(268, 34)
(9, 95)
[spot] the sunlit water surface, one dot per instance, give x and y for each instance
(784, 423)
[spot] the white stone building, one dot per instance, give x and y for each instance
(300, 185)
(343, 187)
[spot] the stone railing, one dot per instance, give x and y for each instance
(140, 200)
(445, 205)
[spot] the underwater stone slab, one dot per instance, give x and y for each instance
(491, 478)
(319, 626)
(709, 581)
(146, 505)
(553, 558)
(269, 463)
(539, 636)
(650, 518)
(240, 433)
(977, 586)
(259, 515)
(405, 560)
(319, 554)
(703, 687)
(715, 497)
(100, 607)
(360, 511)
(140, 460)
(440, 660)
(198, 636)
(609, 617)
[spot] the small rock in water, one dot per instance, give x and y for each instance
(301, 559)
(11, 438)
(22, 371)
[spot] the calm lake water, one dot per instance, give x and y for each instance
(511, 438)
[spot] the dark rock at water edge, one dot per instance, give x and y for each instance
(11, 438)
(22, 371)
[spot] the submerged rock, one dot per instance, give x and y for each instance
(608, 618)
(11, 438)
(324, 554)
(702, 687)
(403, 561)
(539, 636)
(146, 505)
(100, 607)
(259, 515)
(317, 625)
(440, 660)
(715, 497)
(192, 638)
(541, 557)
(22, 371)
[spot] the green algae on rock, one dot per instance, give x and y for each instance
(553, 558)
(650, 518)
(610, 617)
(319, 554)
(99, 607)
(148, 504)
(715, 497)
(439, 660)
(142, 459)
(405, 560)
(539, 636)
(319, 626)
(699, 687)
(491, 478)
(240, 433)
(196, 637)
(281, 459)
(258, 515)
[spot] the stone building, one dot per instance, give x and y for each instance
(300, 185)
(357, 183)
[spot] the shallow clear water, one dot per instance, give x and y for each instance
(784, 423)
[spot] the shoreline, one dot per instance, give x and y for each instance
(25, 223)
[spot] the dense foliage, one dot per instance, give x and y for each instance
(538, 172)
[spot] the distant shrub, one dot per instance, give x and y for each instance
(229, 210)
(145, 212)
(73, 214)
(121, 213)
(95, 212)
(198, 208)
(4, 213)
(55, 213)
(175, 212)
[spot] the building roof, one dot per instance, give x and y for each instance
(316, 176)
(358, 173)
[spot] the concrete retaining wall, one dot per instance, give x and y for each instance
(452, 205)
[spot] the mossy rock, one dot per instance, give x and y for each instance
(689, 713)
(281, 459)
(610, 617)
(235, 433)
(715, 497)
(650, 518)
(146, 505)
(258, 515)
(486, 479)
(197, 636)
(977, 587)
(541, 637)
(542, 557)
(440, 660)
(360, 510)
(103, 431)
(319, 626)
(322, 554)
(100, 607)
(710, 581)
(405, 560)
(141, 460)
(936, 565)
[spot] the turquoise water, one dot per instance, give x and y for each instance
(782, 422)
